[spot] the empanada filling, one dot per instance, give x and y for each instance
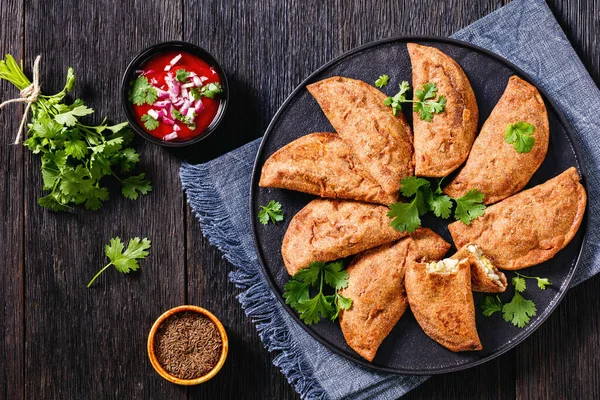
(445, 266)
(484, 263)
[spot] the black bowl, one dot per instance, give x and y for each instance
(137, 64)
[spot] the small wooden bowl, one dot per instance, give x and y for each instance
(152, 355)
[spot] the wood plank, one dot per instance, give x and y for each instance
(91, 343)
(267, 48)
(11, 204)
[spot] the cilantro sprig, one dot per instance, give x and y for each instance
(124, 260)
(519, 310)
(75, 157)
(382, 81)
(150, 122)
(181, 75)
(520, 135)
(313, 309)
(270, 213)
(406, 216)
(142, 92)
(426, 104)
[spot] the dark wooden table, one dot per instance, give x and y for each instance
(60, 340)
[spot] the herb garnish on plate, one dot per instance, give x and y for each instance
(312, 309)
(519, 310)
(520, 135)
(426, 103)
(270, 213)
(406, 216)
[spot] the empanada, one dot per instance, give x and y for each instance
(326, 230)
(442, 144)
(494, 167)
(530, 227)
(322, 164)
(382, 142)
(376, 287)
(440, 297)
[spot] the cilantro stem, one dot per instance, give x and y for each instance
(98, 274)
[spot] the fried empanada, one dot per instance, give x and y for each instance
(440, 297)
(376, 287)
(382, 142)
(494, 167)
(326, 230)
(485, 277)
(322, 164)
(530, 227)
(442, 144)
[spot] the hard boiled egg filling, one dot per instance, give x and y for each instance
(484, 263)
(445, 266)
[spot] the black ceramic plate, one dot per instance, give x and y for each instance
(407, 349)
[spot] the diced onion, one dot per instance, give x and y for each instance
(176, 128)
(170, 136)
(168, 121)
(153, 114)
(175, 59)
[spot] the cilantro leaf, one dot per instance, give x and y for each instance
(124, 260)
(271, 212)
(490, 305)
(519, 284)
(405, 216)
(520, 135)
(134, 184)
(541, 282)
(399, 98)
(440, 204)
(181, 75)
(409, 186)
(519, 310)
(211, 90)
(382, 81)
(69, 118)
(142, 92)
(76, 148)
(428, 91)
(426, 109)
(469, 206)
(149, 122)
(335, 275)
(313, 309)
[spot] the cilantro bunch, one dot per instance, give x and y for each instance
(312, 309)
(426, 103)
(75, 157)
(519, 310)
(406, 216)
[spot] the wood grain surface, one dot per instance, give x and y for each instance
(60, 340)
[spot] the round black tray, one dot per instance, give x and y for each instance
(407, 350)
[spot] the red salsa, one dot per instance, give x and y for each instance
(175, 96)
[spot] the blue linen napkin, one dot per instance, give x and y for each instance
(524, 32)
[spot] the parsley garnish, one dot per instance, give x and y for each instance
(382, 81)
(426, 104)
(75, 157)
(271, 212)
(149, 122)
(124, 261)
(142, 92)
(312, 309)
(181, 75)
(406, 216)
(519, 310)
(469, 206)
(520, 135)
